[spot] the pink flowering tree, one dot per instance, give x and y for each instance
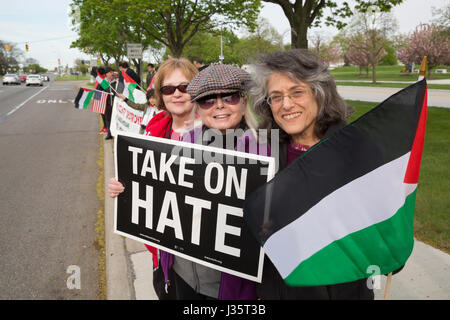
(367, 49)
(329, 51)
(358, 58)
(427, 40)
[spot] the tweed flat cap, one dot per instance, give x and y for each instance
(216, 79)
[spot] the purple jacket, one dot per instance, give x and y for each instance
(231, 287)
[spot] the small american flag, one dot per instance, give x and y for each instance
(99, 104)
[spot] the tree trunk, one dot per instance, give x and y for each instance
(177, 50)
(374, 76)
(299, 31)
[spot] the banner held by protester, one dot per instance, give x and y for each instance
(124, 118)
(187, 199)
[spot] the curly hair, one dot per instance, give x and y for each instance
(188, 69)
(303, 65)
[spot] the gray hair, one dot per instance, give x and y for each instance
(303, 65)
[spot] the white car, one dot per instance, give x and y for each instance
(34, 79)
(11, 79)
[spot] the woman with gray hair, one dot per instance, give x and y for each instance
(294, 93)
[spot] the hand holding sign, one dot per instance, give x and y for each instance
(186, 205)
(115, 188)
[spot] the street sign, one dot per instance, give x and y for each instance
(134, 50)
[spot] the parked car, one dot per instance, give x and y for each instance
(34, 79)
(23, 78)
(11, 78)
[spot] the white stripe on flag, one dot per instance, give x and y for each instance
(99, 104)
(363, 202)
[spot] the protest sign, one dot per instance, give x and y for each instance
(187, 199)
(125, 118)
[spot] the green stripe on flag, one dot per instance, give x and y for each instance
(88, 99)
(131, 87)
(387, 244)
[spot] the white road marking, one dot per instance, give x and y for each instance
(20, 105)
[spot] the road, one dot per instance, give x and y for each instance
(48, 199)
(436, 98)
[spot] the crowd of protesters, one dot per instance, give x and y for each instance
(291, 91)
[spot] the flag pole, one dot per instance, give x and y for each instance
(141, 88)
(388, 286)
(423, 69)
(97, 90)
(113, 89)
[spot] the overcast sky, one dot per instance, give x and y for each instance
(45, 26)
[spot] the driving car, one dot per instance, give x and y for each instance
(23, 78)
(11, 78)
(34, 79)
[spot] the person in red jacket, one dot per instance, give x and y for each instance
(170, 84)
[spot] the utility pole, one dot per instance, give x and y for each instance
(221, 57)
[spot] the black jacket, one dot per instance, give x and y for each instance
(273, 286)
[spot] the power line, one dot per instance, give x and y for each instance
(43, 40)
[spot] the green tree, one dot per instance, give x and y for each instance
(304, 14)
(206, 46)
(262, 41)
(9, 59)
(80, 66)
(175, 23)
(390, 59)
(105, 27)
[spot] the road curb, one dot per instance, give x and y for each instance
(118, 286)
(129, 273)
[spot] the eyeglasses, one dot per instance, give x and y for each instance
(168, 90)
(230, 98)
(276, 100)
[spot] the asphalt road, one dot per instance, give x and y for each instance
(48, 199)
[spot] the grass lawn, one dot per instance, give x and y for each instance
(72, 77)
(391, 85)
(383, 73)
(431, 220)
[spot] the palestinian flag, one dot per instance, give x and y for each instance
(129, 86)
(83, 98)
(347, 203)
(102, 81)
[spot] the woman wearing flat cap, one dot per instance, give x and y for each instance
(218, 94)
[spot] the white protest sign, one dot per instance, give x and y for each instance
(125, 118)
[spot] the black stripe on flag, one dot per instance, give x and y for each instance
(78, 97)
(381, 135)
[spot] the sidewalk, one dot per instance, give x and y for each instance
(129, 264)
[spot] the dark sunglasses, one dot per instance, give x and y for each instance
(228, 98)
(168, 90)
